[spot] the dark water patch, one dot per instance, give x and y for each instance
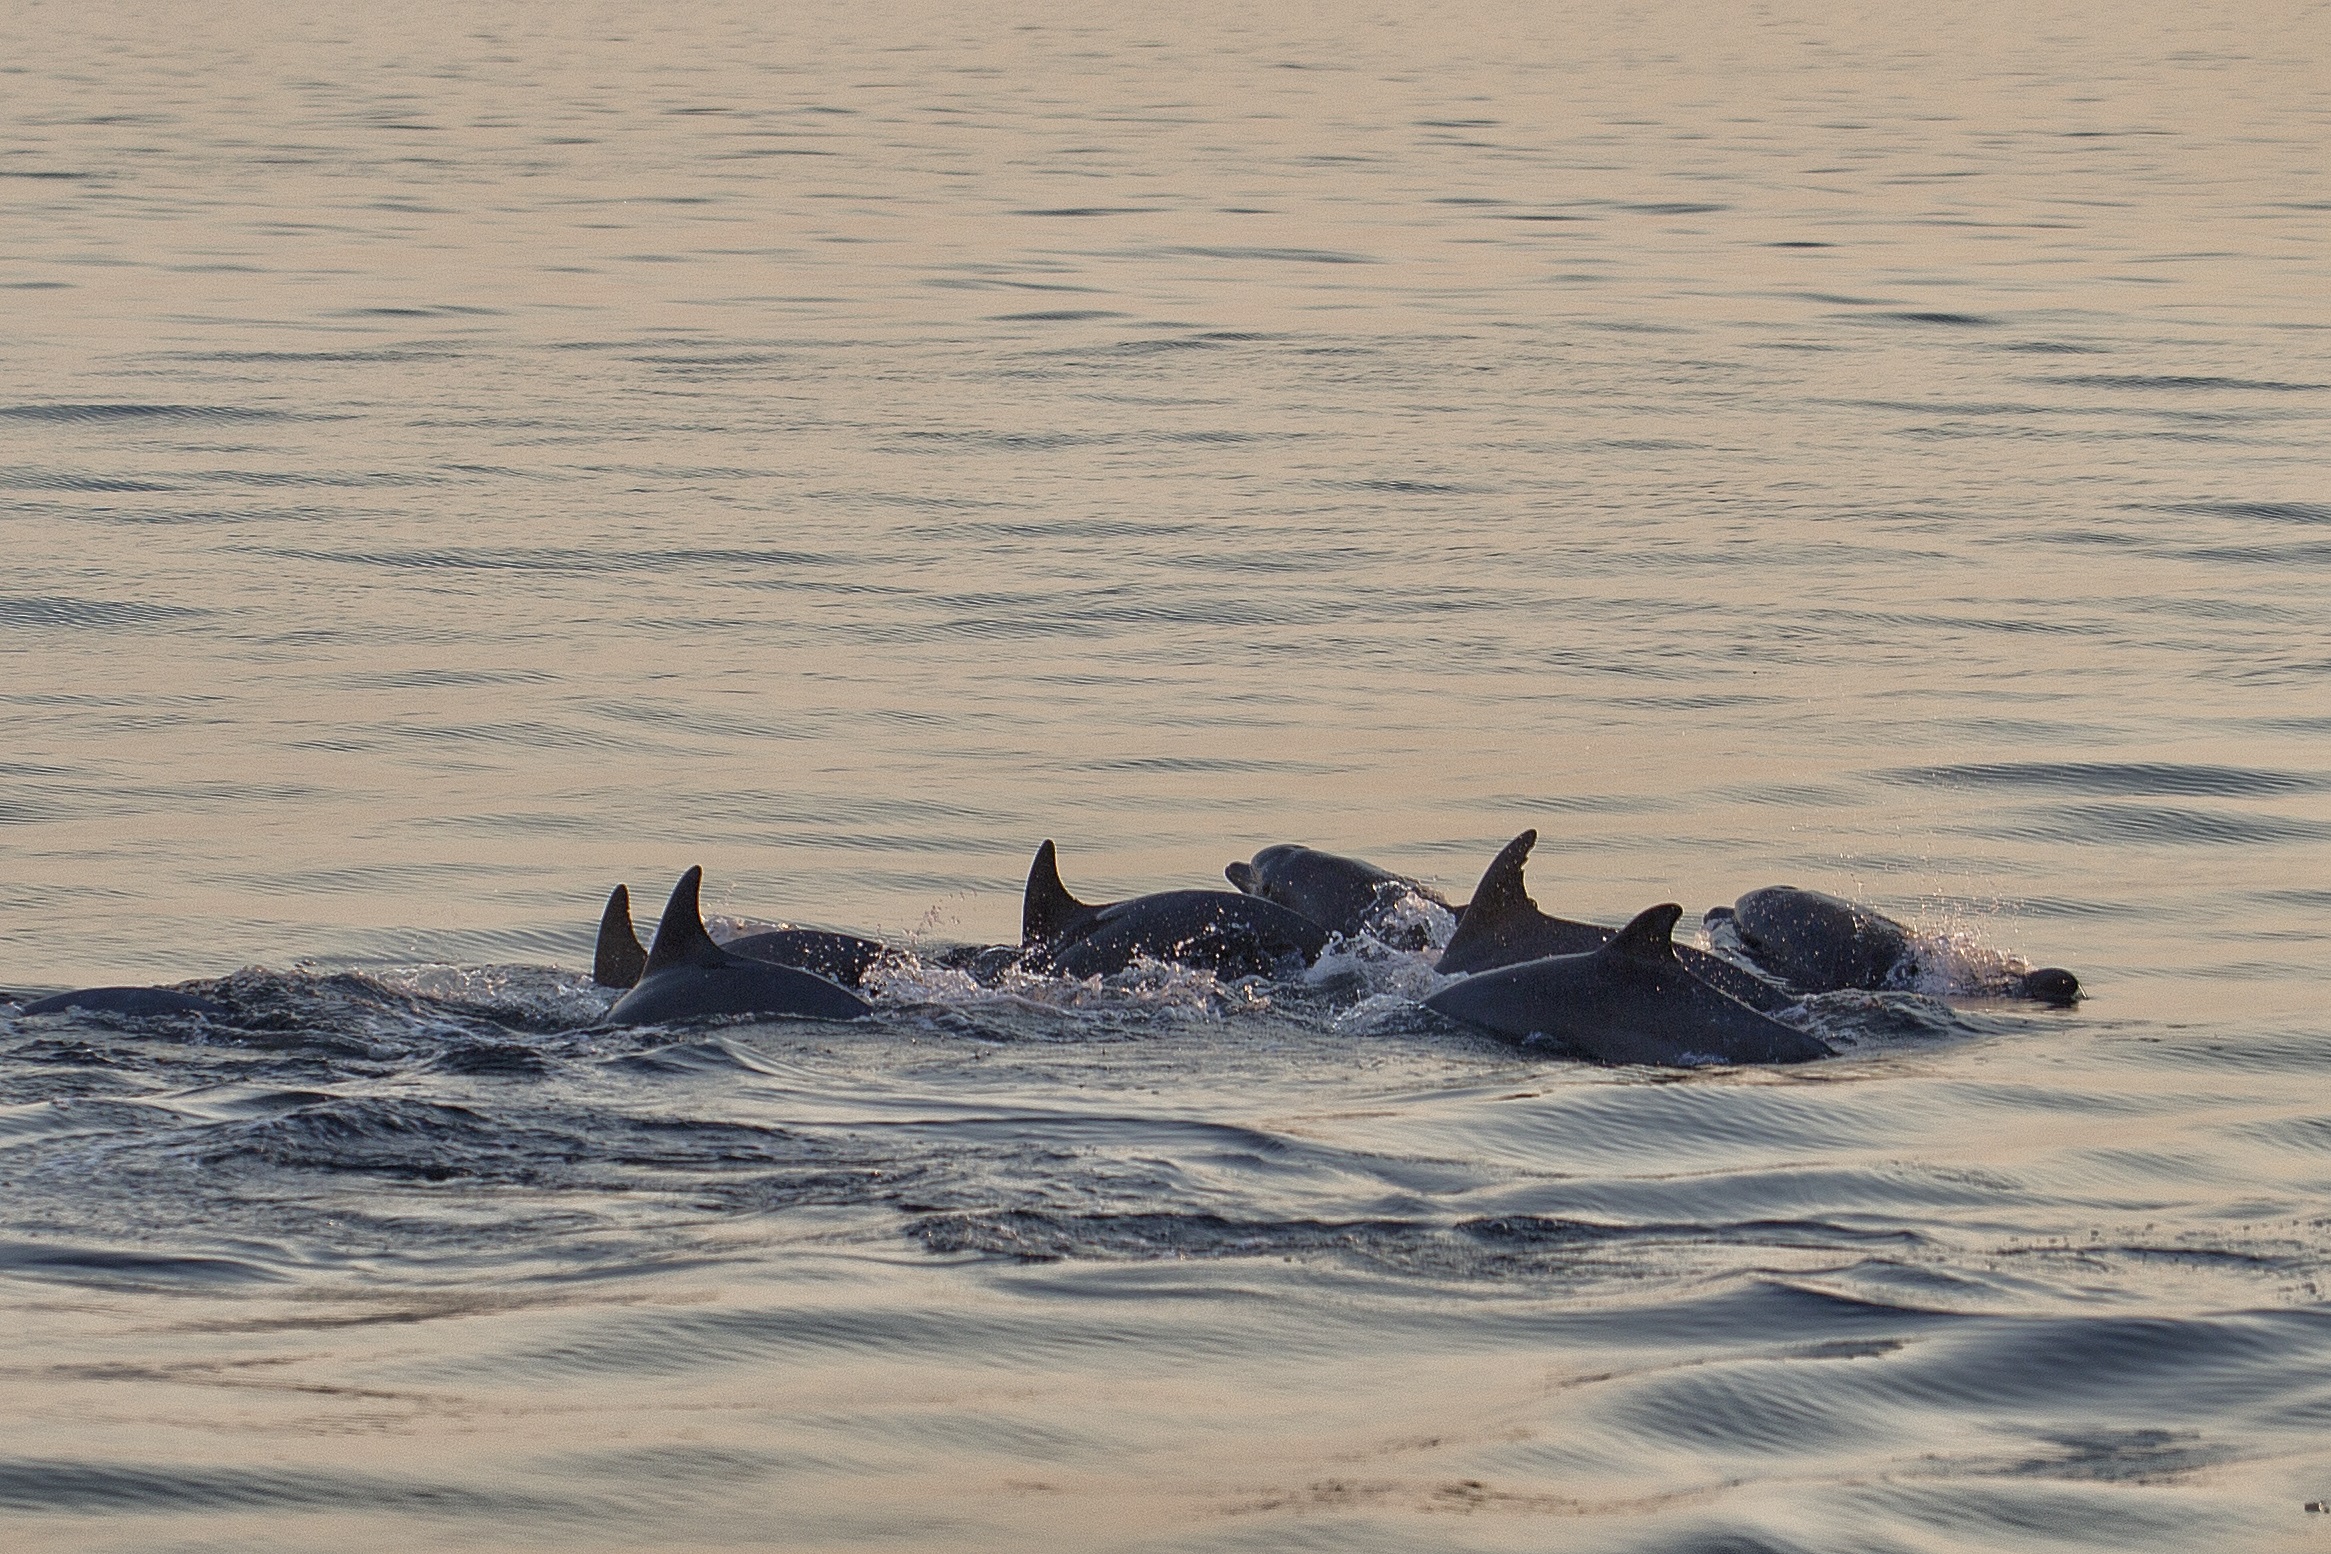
(2132, 1364)
(1672, 208)
(114, 1266)
(266, 479)
(440, 310)
(692, 1059)
(545, 559)
(2105, 1455)
(1273, 255)
(1744, 1410)
(2174, 381)
(45, 480)
(1505, 1246)
(2271, 512)
(63, 1486)
(2137, 779)
(487, 1058)
(396, 1137)
(93, 614)
(1951, 407)
(1092, 210)
(352, 356)
(434, 678)
(1919, 316)
(1393, 487)
(67, 415)
(1195, 763)
(1056, 316)
(2004, 1514)
(680, 1343)
(2313, 899)
(2311, 554)
(1703, 701)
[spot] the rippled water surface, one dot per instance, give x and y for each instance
(455, 458)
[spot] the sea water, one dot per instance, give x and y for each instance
(456, 458)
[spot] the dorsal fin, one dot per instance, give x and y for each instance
(1501, 891)
(1046, 907)
(1244, 878)
(619, 959)
(1500, 916)
(680, 937)
(1649, 935)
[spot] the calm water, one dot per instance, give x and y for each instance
(455, 459)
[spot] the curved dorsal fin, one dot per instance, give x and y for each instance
(1046, 907)
(1501, 890)
(619, 959)
(1649, 934)
(1243, 878)
(1500, 915)
(680, 937)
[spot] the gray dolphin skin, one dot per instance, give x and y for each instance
(1222, 931)
(1342, 895)
(620, 957)
(839, 957)
(136, 1002)
(688, 977)
(1630, 1001)
(1818, 943)
(1502, 926)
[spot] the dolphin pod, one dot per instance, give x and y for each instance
(1626, 995)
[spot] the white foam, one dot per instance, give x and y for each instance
(1950, 960)
(1146, 984)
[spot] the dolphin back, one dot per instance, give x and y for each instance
(845, 958)
(1631, 1001)
(1229, 934)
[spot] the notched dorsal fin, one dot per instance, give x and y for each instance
(619, 959)
(1046, 908)
(680, 937)
(1649, 935)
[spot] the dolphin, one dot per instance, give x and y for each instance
(1222, 931)
(1342, 895)
(1503, 926)
(838, 957)
(137, 1002)
(1818, 943)
(1629, 1001)
(687, 976)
